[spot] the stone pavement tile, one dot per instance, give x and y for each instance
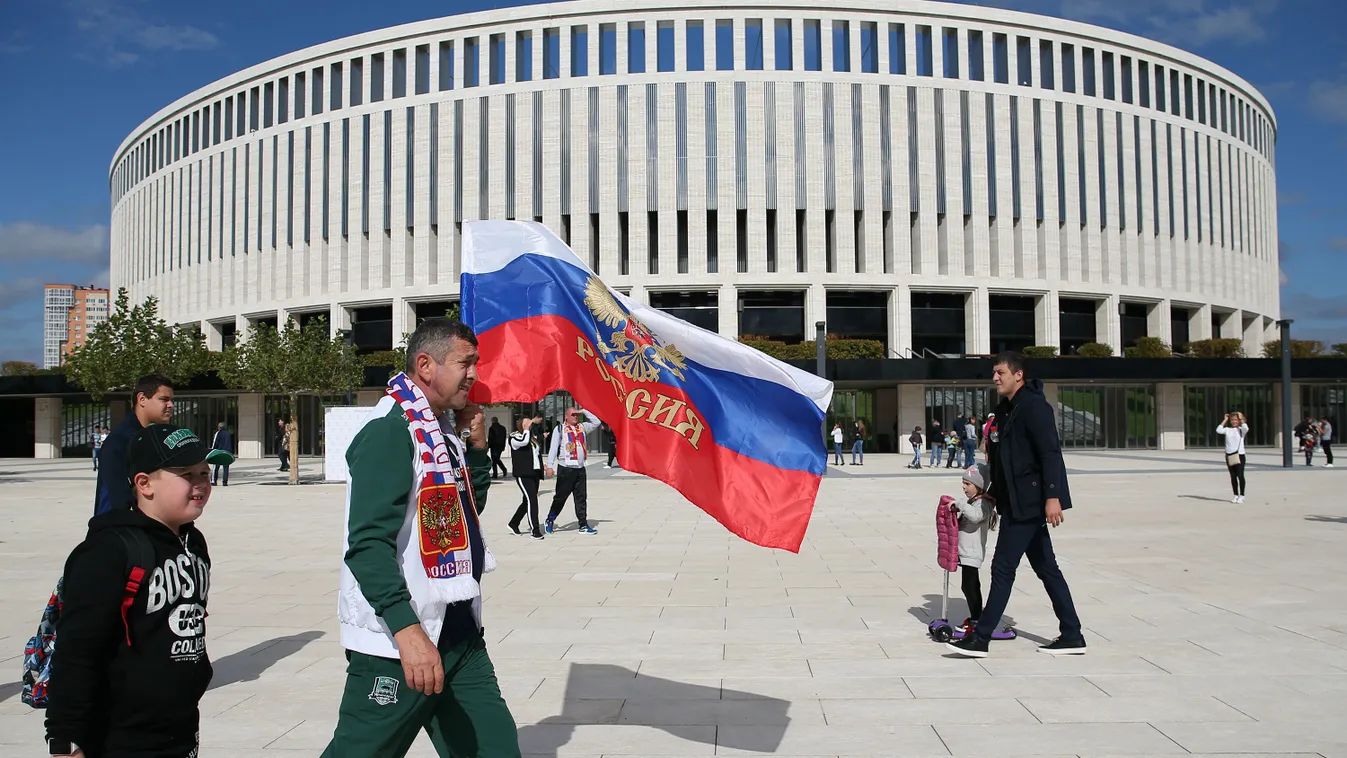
(1264, 705)
(834, 621)
(1257, 737)
(244, 735)
(598, 651)
(680, 669)
(618, 740)
(1017, 739)
(725, 637)
(937, 665)
(800, 688)
(638, 632)
(1174, 708)
(885, 740)
(1218, 685)
(944, 687)
(841, 651)
(1335, 684)
(608, 685)
(1037, 664)
(845, 712)
(763, 711)
(568, 711)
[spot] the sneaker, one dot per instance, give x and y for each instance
(969, 647)
(536, 536)
(1241, 499)
(1235, 499)
(515, 528)
(1328, 465)
(588, 530)
(550, 527)
(1064, 647)
(607, 465)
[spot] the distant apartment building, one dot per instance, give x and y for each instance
(69, 314)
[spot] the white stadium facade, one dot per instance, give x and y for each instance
(944, 178)
(949, 180)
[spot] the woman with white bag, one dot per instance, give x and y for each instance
(1234, 429)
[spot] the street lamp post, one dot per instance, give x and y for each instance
(1287, 426)
(821, 343)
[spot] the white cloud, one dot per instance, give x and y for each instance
(29, 241)
(1228, 24)
(1181, 22)
(119, 34)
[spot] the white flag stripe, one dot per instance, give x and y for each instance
(490, 246)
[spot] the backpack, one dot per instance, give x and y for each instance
(41, 648)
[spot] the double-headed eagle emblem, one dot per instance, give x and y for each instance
(638, 354)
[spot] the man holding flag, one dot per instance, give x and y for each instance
(687, 405)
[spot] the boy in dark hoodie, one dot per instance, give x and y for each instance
(132, 663)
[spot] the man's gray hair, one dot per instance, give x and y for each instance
(435, 337)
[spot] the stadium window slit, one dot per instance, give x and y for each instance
(1109, 90)
(1000, 58)
(446, 66)
(268, 105)
(399, 73)
(523, 56)
(1144, 84)
(376, 81)
(607, 49)
(1068, 68)
(1046, 75)
(771, 240)
(741, 240)
(552, 53)
(496, 58)
(1127, 80)
(334, 90)
(664, 46)
(753, 41)
(636, 47)
(623, 243)
(1024, 58)
(422, 69)
(724, 45)
(976, 69)
(472, 59)
(783, 41)
(950, 50)
(1160, 103)
(652, 242)
(579, 50)
(682, 236)
(594, 242)
(1188, 96)
(1174, 95)
(813, 45)
(357, 82)
(801, 241)
(712, 242)
(695, 45)
(925, 55)
(1087, 71)
(841, 45)
(897, 49)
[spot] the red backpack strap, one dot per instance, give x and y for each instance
(129, 596)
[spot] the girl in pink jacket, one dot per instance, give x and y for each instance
(977, 517)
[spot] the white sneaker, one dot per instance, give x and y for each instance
(1328, 465)
(1235, 499)
(1241, 498)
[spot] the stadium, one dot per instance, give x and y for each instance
(947, 180)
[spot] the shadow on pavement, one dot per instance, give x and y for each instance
(958, 611)
(546, 738)
(248, 665)
(1328, 519)
(9, 690)
(1204, 497)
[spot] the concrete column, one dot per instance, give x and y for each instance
(214, 339)
(815, 309)
(1169, 416)
(1050, 394)
(118, 410)
(368, 398)
(404, 319)
(47, 427)
(242, 328)
(1251, 331)
(1107, 324)
(338, 316)
(250, 425)
(911, 413)
(1048, 320)
(1158, 322)
(727, 311)
(900, 321)
(1199, 324)
(977, 323)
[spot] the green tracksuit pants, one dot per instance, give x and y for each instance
(381, 716)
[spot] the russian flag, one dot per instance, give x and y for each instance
(737, 433)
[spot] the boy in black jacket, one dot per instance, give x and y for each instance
(130, 664)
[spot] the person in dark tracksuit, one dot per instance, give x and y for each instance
(1030, 489)
(223, 440)
(567, 458)
(610, 439)
(527, 463)
(152, 401)
(495, 442)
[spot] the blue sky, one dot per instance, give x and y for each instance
(78, 75)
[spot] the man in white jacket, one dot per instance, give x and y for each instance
(567, 458)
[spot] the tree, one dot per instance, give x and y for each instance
(18, 368)
(1219, 347)
(1040, 351)
(398, 355)
(1340, 350)
(1299, 349)
(292, 362)
(133, 342)
(1095, 350)
(1149, 347)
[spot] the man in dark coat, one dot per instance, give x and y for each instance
(495, 442)
(1030, 490)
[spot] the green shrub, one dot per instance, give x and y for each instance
(1299, 349)
(1095, 350)
(1340, 350)
(1149, 347)
(380, 358)
(1040, 351)
(837, 348)
(1220, 347)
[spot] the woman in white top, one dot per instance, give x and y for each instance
(837, 445)
(1234, 429)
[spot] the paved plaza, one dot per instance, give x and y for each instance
(1213, 628)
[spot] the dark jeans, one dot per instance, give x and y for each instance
(612, 454)
(1328, 451)
(284, 455)
(1019, 539)
(496, 463)
(215, 474)
(970, 452)
(1237, 476)
(96, 452)
(570, 481)
(837, 454)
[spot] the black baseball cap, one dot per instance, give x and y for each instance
(167, 446)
